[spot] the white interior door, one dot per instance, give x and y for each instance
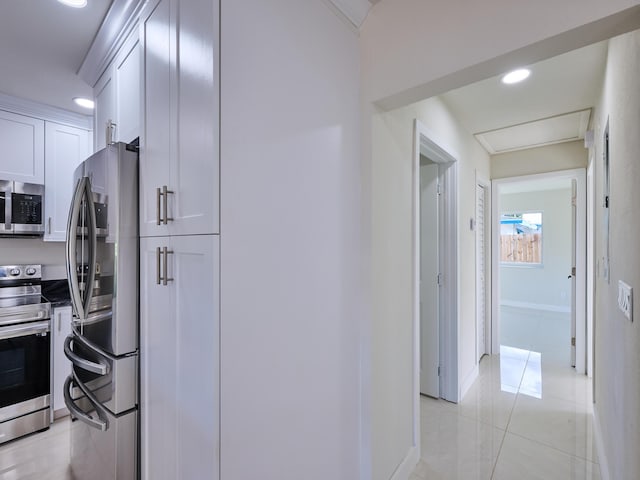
(429, 289)
(572, 274)
(481, 293)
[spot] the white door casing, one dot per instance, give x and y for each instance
(429, 271)
(481, 277)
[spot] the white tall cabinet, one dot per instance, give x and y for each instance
(180, 357)
(179, 260)
(179, 143)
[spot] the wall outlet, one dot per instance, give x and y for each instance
(625, 299)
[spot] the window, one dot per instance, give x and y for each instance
(521, 238)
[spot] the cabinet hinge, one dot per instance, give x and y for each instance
(573, 341)
(439, 189)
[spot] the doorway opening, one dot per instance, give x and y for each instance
(539, 271)
(435, 267)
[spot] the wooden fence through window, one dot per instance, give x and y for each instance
(521, 248)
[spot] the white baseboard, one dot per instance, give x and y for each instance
(536, 306)
(602, 457)
(468, 381)
(408, 465)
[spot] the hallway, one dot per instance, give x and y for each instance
(526, 417)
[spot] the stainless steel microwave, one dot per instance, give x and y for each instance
(21, 208)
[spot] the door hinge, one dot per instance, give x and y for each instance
(439, 189)
(573, 341)
(573, 271)
(606, 201)
(439, 370)
(439, 279)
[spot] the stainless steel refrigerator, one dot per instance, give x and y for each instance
(102, 270)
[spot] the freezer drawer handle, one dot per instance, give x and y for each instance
(99, 368)
(102, 422)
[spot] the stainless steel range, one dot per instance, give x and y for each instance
(24, 352)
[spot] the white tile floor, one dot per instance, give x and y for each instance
(528, 415)
(40, 456)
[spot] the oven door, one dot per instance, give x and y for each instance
(26, 208)
(24, 366)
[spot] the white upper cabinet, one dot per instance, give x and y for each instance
(179, 156)
(22, 140)
(105, 107)
(117, 96)
(127, 76)
(65, 148)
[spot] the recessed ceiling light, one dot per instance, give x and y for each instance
(516, 76)
(83, 102)
(74, 3)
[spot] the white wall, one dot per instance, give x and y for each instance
(550, 158)
(617, 347)
(413, 49)
(546, 285)
(31, 250)
(392, 306)
(290, 242)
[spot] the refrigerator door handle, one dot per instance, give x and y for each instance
(93, 239)
(102, 422)
(71, 245)
(93, 367)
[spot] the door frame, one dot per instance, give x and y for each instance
(486, 185)
(427, 144)
(583, 348)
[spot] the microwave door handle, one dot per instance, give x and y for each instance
(101, 423)
(71, 247)
(89, 366)
(92, 232)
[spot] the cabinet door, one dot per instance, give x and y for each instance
(105, 107)
(180, 141)
(195, 170)
(156, 143)
(127, 73)
(180, 359)
(66, 147)
(22, 140)
(61, 367)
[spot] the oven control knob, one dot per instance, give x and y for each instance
(14, 272)
(31, 271)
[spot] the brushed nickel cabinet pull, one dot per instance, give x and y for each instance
(165, 196)
(158, 274)
(166, 252)
(158, 216)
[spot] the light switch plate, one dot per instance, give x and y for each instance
(625, 299)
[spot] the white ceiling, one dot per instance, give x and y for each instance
(42, 45)
(567, 83)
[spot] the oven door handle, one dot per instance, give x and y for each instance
(102, 422)
(23, 330)
(77, 360)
